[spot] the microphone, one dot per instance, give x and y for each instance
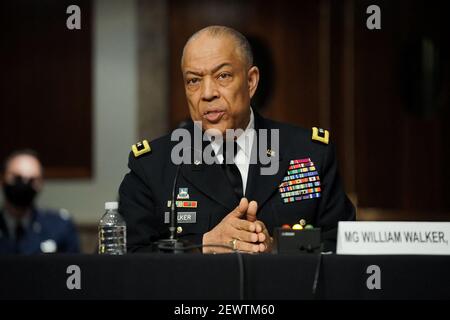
(172, 244)
(173, 208)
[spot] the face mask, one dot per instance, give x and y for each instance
(19, 193)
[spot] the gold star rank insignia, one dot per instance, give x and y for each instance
(321, 135)
(140, 148)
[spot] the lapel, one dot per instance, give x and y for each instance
(32, 239)
(261, 187)
(210, 180)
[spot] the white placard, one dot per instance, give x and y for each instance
(389, 237)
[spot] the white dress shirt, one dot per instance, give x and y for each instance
(245, 143)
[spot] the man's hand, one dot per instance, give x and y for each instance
(264, 239)
(235, 228)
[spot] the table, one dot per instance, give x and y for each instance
(223, 277)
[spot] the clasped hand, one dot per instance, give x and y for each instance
(240, 230)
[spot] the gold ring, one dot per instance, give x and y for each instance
(233, 244)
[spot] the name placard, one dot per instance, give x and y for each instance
(388, 237)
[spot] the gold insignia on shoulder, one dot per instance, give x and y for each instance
(140, 148)
(321, 135)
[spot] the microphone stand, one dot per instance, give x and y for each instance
(172, 244)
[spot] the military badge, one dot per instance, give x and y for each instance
(321, 135)
(183, 193)
(271, 153)
(183, 204)
(141, 148)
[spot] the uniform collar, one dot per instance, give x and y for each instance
(244, 141)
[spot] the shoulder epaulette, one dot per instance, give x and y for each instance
(140, 148)
(321, 135)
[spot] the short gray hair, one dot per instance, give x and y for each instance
(217, 31)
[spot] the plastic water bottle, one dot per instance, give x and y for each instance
(112, 231)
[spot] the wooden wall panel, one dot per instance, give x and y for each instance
(45, 101)
(402, 150)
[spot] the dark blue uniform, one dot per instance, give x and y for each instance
(307, 186)
(48, 231)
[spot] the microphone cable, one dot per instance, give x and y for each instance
(238, 255)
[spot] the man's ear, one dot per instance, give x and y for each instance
(253, 79)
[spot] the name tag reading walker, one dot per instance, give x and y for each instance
(386, 237)
(183, 217)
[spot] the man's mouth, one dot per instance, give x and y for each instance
(213, 116)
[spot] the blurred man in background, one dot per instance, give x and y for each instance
(24, 228)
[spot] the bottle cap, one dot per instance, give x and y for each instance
(111, 205)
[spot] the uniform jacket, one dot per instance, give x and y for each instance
(146, 190)
(49, 231)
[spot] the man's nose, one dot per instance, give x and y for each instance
(209, 89)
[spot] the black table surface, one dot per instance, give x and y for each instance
(218, 277)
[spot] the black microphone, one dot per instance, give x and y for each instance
(172, 244)
(173, 207)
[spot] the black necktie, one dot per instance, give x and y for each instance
(232, 171)
(19, 231)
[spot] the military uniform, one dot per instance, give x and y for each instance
(307, 186)
(47, 231)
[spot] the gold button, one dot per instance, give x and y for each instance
(179, 229)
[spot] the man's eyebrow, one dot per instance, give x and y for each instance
(194, 73)
(220, 66)
(214, 70)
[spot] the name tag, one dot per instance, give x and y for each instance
(386, 237)
(183, 217)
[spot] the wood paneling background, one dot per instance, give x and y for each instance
(45, 101)
(402, 141)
